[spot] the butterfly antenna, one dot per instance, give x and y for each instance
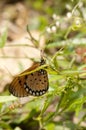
(41, 54)
(42, 57)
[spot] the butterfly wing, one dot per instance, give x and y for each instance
(16, 87)
(35, 84)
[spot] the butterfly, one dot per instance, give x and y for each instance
(35, 83)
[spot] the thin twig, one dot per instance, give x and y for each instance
(34, 41)
(14, 57)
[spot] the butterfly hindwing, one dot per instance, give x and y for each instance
(16, 87)
(35, 83)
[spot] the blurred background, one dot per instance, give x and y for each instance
(59, 28)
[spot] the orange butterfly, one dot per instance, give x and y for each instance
(35, 83)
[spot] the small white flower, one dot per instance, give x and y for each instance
(48, 29)
(57, 23)
(78, 22)
(53, 28)
(69, 14)
(54, 16)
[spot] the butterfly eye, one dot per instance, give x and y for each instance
(35, 83)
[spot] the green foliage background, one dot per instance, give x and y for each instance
(63, 107)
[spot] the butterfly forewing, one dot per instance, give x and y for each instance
(35, 83)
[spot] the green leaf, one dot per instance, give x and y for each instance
(50, 126)
(4, 126)
(3, 39)
(7, 98)
(77, 104)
